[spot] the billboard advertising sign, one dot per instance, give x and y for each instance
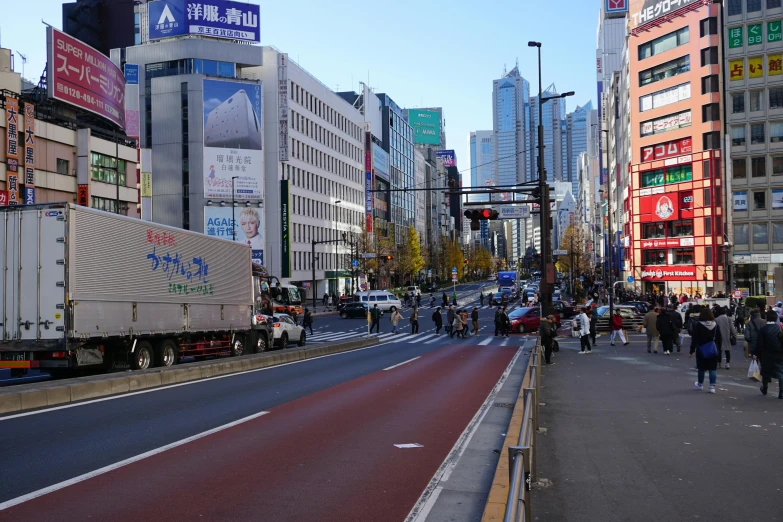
(218, 19)
(660, 207)
(12, 148)
(131, 74)
(245, 222)
(285, 229)
(233, 129)
(282, 104)
(668, 273)
(741, 201)
(426, 126)
(667, 150)
(29, 154)
(3, 198)
(448, 158)
(380, 161)
(646, 11)
(84, 77)
(615, 8)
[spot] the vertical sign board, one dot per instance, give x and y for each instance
(368, 181)
(12, 148)
(285, 239)
(282, 101)
(83, 195)
(233, 130)
(29, 154)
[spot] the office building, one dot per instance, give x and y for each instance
(579, 130)
(555, 143)
(104, 24)
(753, 83)
(674, 197)
(482, 163)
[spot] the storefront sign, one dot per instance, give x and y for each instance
(754, 34)
(83, 195)
(12, 148)
(756, 67)
(667, 150)
(736, 69)
(740, 201)
(668, 273)
(282, 104)
(735, 37)
(146, 184)
(29, 154)
(368, 182)
(686, 241)
(663, 207)
(646, 11)
(3, 198)
(448, 157)
(774, 64)
(218, 19)
(760, 258)
(661, 243)
(666, 123)
(285, 225)
(774, 31)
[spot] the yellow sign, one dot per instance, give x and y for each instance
(775, 64)
(58, 316)
(146, 184)
(756, 67)
(736, 69)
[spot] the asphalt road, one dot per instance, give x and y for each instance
(318, 434)
(629, 438)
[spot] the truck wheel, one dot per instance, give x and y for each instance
(284, 341)
(141, 359)
(237, 346)
(167, 354)
(302, 339)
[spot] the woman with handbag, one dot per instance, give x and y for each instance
(705, 339)
(728, 334)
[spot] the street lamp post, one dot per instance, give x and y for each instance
(611, 254)
(233, 210)
(546, 241)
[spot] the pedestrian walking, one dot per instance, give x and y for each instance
(490, 296)
(438, 320)
(617, 328)
(741, 314)
(498, 321)
(651, 329)
(666, 331)
(375, 317)
(751, 332)
(474, 316)
(548, 331)
(593, 315)
(506, 322)
(329, 301)
(445, 299)
(728, 334)
(457, 325)
(432, 301)
(325, 298)
(704, 344)
(418, 300)
(464, 319)
(481, 298)
(294, 316)
(415, 320)
(769, 353)
(454, 297)
(450, 321)
(395, 319)
(676, 320)
(583, 322)
(307, 321)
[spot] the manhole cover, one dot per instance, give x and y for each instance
(504, 405)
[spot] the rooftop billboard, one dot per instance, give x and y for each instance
(218, 19)
(426, 126)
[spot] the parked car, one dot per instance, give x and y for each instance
(639, 305)
(355, 309)
(632, 319)
(528, 319)
(565, 309)
(284, 331)
(382, 298)
(414, 289)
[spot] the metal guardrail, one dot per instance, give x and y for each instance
(522, 457)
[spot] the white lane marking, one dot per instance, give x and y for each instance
(437, 338)
(400, 364)
(189, 383)
(409, 445)
(485, 341)
(418, 339)
(505, 343)
(430, 494)
(111, 467)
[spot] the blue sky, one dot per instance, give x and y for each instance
(423, 54)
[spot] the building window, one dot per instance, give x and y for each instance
(756, 100)
(760, 234)
(775, 131)
(710, 112)
(665, 70)
(653, 231)
(679, 174)
(709, 26)
(760, 200)
(773, 4)
(754, 5)
(652, 178)
(777, 232)
(664, 43)
(738, 135)
(109, 205)
(708, 226)
(683, 256)
(776, 97)
(777, 165)
(681, 228)
(654, 257)
(63, 166)
(737, 102)
(740, 233)
(708, 255)
(735, 7)
(710, 83)
(107, 168)
(709, 56)
(758, 167)
(707, 197)
(757, 134)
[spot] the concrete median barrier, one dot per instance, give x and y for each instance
(26, 397)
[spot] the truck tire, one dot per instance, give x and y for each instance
(238, 346)
(257, 342)
(167, 353)
(142, 357)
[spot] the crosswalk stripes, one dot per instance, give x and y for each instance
(419, 338)
(485, 341)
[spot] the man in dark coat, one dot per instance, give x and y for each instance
(498, 321)
(438, 320)
(450, 321)
(666, 330)
(548, 330)
(705, 330)
(769, 352)
(375, 316)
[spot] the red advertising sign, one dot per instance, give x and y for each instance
(84, 77)
(669, 273)
(667, 150)
(83, 195)
(12, 148)
(660, 207)
(29, 152)
(3, 198)
(660, 243)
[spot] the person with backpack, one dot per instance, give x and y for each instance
(498, 321)
(395, 319)
(728, 335)
(415, 320)
(307, 321)
(704, 344)
(740, 315)
(474, 317)
(769, 353)
(751, 333)
(450, 321)
(438, 320)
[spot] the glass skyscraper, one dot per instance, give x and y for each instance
(482, 162)
(555, 142)
(578, 131)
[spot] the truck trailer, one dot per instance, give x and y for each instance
(87, 289)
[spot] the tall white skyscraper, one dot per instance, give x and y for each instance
(578, 131)
(482, 162)
(555, 143)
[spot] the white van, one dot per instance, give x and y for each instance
(415, 289)
(382, 298)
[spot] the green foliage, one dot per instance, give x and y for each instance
(756, 300)
(409, 260)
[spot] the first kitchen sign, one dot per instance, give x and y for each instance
(668, 273)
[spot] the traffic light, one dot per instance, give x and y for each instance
(483, 214)
(386, 258)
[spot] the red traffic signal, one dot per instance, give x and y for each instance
(483, 214)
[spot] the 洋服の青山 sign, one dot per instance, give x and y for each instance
(669, 273)
(660, 207)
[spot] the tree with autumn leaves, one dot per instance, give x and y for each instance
(574, 242)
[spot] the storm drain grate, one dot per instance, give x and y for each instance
(504, 405)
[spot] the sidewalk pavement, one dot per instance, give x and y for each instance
(629, 438)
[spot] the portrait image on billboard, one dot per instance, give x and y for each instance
(233, 130)
(426, 126)
(246, 222)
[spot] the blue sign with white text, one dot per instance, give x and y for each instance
(131, 74)
(29, 195)
(215, 18)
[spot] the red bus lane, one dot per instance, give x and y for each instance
(329, 456)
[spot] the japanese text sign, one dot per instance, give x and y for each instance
(650, 10)
(735, 37)
(448, 157)
(29, 145)
(736, 70)
(12, 148)
(774, 64)
(84, 77)
(754, 34)
(3, 198)
(215, 18)
(774, 31)
(756, 67)
(667, 150)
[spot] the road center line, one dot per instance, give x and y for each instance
(400, 364)
(111, 467)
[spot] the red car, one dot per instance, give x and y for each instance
(528, 319)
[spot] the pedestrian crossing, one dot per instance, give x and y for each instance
(421, 338)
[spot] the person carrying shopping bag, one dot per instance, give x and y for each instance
(769, 353)
(617, 329)
(457, 325)
(727, 334)
(704, 344)
(395, 320)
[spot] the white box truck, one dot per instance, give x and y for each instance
(83, 288)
